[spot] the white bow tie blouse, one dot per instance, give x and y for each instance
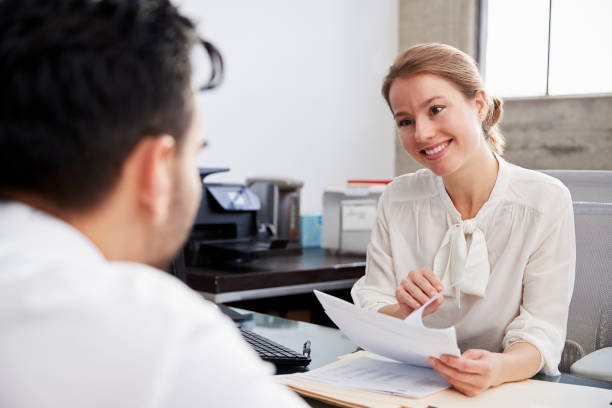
(513, 263)
(462, 260)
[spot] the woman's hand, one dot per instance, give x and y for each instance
(472, 373)
(413, 292)
(417, 288)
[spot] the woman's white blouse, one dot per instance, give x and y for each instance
(513, 263)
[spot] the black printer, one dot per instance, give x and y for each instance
(226, 228)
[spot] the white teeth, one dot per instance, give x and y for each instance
(436, 150)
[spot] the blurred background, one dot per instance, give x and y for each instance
(301, 97)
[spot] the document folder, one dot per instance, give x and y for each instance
(527, 393)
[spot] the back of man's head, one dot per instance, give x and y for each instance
(82, 83)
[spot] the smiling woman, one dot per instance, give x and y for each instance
(455, 66)
(500, 236)
(434, 120)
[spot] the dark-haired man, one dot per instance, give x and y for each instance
(98, 141)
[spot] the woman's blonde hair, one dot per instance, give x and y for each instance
(458, 68)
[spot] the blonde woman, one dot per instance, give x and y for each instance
(499, 236)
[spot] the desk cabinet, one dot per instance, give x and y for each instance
(276, 276)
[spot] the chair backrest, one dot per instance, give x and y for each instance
(604, 330)
(589, 307)
(586, 185)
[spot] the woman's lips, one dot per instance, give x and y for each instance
(437, 151)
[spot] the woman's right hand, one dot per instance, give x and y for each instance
(413, 292)
(417, 288)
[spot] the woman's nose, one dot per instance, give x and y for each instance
(424, 130)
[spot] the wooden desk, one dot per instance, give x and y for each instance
(327, 344)
(276, 276)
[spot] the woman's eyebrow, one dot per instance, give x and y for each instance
(428, 101)
(421, 105)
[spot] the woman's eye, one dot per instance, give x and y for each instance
(436, 109)
(404, 122)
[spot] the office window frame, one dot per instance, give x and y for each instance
(481, 57)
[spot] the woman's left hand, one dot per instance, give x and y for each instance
(472, 373)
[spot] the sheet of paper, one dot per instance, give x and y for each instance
(407, 341)
(378, 375)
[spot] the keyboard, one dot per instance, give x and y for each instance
(273, 352)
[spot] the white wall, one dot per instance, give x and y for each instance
(301, 95)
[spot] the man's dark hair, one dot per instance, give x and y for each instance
(82, 82)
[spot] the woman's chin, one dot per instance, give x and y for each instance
(441, 169)
(442, 173)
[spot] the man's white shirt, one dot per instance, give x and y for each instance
(79, 331)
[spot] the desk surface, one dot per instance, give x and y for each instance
(276, 276)
(328, 344)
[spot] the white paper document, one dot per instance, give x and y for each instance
(406, 341)
(377, 375)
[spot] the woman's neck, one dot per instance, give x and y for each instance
(470, 186)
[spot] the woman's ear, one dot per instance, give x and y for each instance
(157, 176)
(481, 104)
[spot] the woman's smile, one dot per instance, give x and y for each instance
(438, 125)
(436, 151)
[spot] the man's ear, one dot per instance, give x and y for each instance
(156, 176)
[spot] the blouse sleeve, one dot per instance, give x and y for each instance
(377, 287)
(548, 283)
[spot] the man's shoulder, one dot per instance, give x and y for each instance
(104, 297)
(148, 286)
(121, 320)
(209, 357)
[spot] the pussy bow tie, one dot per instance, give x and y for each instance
(455, 263)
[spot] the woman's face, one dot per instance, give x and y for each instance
(437, 125)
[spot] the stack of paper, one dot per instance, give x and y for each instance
(406, 341)
(401, 348)
(528, 393)
(398, 376)
(375, 374)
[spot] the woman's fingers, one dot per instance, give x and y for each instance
(403, 297)
(433, 306)
(454, 373)
(472, 373)
(475, 354)
(416, 292)
(467, 365)
(465, 388)
(423, 282)
(418, 287)
(433, 279)
(468, 383)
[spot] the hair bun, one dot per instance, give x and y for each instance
(496, 114)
